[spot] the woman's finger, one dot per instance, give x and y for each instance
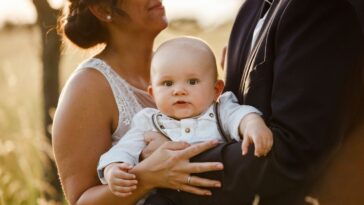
(175, 145)
(150, 136)
(195, 190)
(154, 137)
(153, 140)
(200, 167)
(202, 182)
(196, 149)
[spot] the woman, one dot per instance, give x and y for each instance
(101, 97)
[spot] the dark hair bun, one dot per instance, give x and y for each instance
(82, 28)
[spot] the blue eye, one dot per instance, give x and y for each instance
(193, 81)
(168, 83)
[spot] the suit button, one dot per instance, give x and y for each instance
(187, 130)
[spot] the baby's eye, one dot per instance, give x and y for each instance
(167, 83)
(193, 81)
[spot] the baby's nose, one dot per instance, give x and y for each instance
(179, 90)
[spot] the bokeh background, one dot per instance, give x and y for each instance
(26, 155)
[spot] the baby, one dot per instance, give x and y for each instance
(185, 88)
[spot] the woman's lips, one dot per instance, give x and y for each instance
(157, 6)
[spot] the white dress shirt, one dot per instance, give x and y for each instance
(257, 30)
(192, 130)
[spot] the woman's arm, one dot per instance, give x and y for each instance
(85, 119)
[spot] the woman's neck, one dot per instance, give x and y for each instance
(130, 56)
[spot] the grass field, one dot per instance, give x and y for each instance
(23, 147)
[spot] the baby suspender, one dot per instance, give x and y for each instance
(159, 127)
(219, 124)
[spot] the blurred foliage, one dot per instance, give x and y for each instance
(23, 147)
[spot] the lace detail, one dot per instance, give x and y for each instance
(125, 98)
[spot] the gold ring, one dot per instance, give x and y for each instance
(189, 180)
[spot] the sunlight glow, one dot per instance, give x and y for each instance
(17, 12)
(207, 13)
(21, 11)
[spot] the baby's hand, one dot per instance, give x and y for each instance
(120, 182)
(254, 130)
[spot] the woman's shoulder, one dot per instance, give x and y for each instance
(87, 89)
(86, 81)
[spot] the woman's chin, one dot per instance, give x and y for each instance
(163, 23)
(160, 26)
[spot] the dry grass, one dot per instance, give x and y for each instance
(22, 145)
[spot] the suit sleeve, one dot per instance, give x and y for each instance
(319, 56)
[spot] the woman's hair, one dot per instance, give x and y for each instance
(80, 26)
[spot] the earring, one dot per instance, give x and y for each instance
(108, 17)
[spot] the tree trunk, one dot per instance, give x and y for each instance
(51, 42)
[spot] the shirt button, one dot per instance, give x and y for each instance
(187, 130)
(211, 114)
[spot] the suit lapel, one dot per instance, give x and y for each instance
(240, 42)
(251, 61)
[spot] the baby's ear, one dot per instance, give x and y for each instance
(219, 87)
(150, 90)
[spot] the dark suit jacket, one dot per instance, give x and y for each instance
(305, 74)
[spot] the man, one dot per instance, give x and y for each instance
(304, 72)
(301, 63)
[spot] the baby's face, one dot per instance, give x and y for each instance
(183, 89)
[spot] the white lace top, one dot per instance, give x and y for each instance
(128, 98)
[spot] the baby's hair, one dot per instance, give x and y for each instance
(196, 43)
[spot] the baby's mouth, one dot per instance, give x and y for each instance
(180, 102)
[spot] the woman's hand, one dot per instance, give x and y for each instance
(153, 141)
(169, 167)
